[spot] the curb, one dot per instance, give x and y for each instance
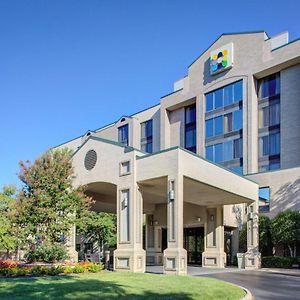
(248, 295)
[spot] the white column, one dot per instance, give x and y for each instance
(175, 257)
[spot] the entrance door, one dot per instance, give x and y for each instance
(228, 245)
(194, 244)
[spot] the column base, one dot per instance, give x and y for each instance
(252, 260)
(213, 259)
(175, 261)
(129, 260)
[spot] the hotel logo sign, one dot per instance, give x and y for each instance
(221, 59)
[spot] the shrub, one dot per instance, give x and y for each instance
(39, 270)
(54, 271)
(23, 271)
(8, 263)
(95, 268)
(68, 269)
(47, 253)
(12, 271)
(279, 262)
(78, 269)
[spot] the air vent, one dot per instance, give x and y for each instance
(90, 159)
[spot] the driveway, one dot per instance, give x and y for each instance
(263, 284)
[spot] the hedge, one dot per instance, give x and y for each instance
(17, 270)
(279, 262)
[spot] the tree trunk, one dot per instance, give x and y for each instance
(291, 250)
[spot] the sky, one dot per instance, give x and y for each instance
(67, 66)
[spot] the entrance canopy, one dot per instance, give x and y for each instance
(204, 183)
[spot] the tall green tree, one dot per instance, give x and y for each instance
(101, 228)
(7, 239)
(265, 238)
(49, 205)
(285, 229)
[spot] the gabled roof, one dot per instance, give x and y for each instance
(228, 33)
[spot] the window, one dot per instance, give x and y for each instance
(123, 134)
(269, 86)
(238, 119)
(218, 125)
(124, 168)
(209, 128)
(269, 145)
(269, 122)
(224, 96)
(218, 153)
(269, 115)
(190, 128)
(228, 150)
(209, 153)
(264, 200)
(147, 136)
(238, 148)
(238, 91)
(228, 123)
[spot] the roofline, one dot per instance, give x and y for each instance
(105, 126)
(228, 33)
(111, 142)
(291, 42)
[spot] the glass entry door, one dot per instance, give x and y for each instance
(194, 244)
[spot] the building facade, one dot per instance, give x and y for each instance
(221, 147)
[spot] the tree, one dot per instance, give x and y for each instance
(48, 205)
(7, 239)
(101, 228)
(285, 228)
(265, 239)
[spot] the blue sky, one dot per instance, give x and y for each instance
(67, 66)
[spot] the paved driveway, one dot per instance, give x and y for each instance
(264, 285)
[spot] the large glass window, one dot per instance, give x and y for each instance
(190, 128)
(226, 151)
(224, 96)
(147, 136)
(123, 134)
(269, 122)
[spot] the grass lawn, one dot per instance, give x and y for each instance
(112, 285)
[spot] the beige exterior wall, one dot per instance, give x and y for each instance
(253, 59)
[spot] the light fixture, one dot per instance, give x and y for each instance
(155, 222)
(198, 219)
(212, 217)
(171, 195)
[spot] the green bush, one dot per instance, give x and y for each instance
(23, 271)
(95, 268)
(78, 269)
(39, 271)
(54, 271)
(68, 269)
(279, 262)
(47, 253)
(12, 271)
(4, 271)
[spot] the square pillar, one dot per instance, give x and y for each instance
(129, 255)
(175, 257)
(214, 255)
(252, 256)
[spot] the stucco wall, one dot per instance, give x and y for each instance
(284, 188)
